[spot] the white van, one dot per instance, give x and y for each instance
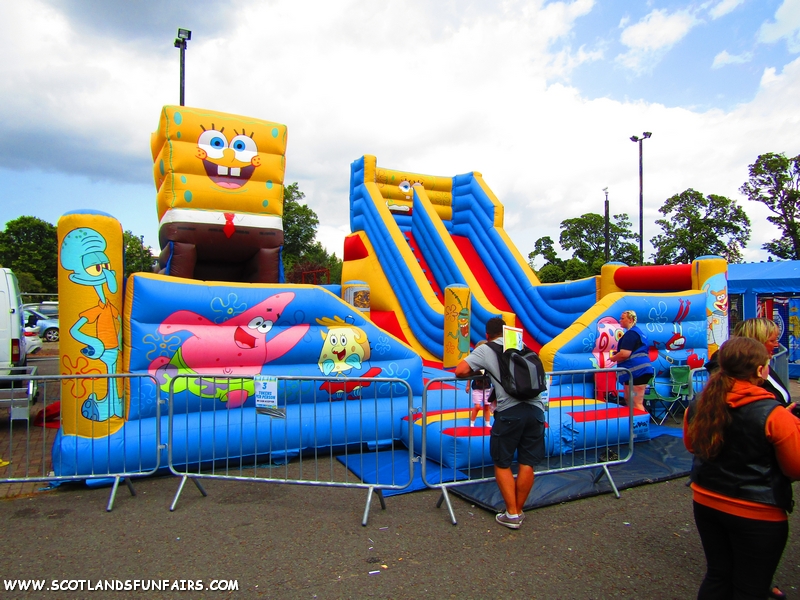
(12, 326)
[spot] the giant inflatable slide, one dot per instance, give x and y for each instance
(414, 235)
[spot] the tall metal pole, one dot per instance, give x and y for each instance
(641, 206)
(183, 72)
(636, 138)
(606, 223)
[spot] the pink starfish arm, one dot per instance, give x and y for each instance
(285, 341)
(184, 320)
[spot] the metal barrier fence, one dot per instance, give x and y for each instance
(305, 437)
(36, 451)
(699, 378)
(581, 434)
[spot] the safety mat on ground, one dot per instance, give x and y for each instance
(659, 459)
(390, 467)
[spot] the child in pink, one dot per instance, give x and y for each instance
(481, 398)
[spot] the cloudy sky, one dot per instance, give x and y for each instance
(541, 97)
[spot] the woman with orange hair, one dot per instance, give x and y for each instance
(746, 448)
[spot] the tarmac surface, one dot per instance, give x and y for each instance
(290, 541)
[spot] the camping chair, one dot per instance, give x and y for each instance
(653, 398)
(681, 382)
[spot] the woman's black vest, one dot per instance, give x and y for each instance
(746, 468)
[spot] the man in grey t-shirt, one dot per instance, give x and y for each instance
(518, 428)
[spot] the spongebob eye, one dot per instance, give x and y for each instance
(618, 334)
(244, 147)
(213, 142)
(264, 327)
(405, 187)
(95, 269)
(255, 323)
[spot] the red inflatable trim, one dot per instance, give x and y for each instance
(354, 248)
(654, 278)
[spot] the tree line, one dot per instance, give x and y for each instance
(29, 247)
(694, 224)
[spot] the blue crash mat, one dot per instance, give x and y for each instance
(391, 468)
(659, 459)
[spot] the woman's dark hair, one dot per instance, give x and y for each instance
(739, 358)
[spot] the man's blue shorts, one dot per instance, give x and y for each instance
(518, 429)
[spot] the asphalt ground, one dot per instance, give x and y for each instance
(290, 541)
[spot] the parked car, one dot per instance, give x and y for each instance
(33, 343)
(48, 327)
(47, 308)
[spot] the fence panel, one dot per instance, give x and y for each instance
(586, 428)
(304, 437)
(59, 444)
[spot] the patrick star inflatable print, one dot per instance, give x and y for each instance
(237, 348)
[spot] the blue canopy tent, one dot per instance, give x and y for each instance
(781, 280)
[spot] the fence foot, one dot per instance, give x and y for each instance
(379, 492)
(113, 493)
(446, 499)
(180, 489)
(606, 472)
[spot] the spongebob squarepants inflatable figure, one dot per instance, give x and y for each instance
(220, 195)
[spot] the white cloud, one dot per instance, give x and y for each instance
(785, 26)
(723, 8)
(652, 36)
(769, 77)
(724, 58)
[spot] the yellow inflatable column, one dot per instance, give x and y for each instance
(90, 271)
(356, 293)
(710, 274)
(456, 324)
(607, 283)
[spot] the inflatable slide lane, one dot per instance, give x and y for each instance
(402, 250)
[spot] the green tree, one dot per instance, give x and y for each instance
(585, 236)
(138, 257)
(29, 285)
(30, 245)
(696, 225)
(301, 252)
(299, 224)
(551, 273)
(775, 182)
(545, 248)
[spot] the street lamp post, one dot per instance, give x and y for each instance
(184, 35)
(605, 189)
(636, 138)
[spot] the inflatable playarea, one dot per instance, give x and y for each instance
(426, 265)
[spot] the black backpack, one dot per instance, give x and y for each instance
(522, 373)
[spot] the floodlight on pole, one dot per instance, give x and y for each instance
(636, 138)
(184, 35)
